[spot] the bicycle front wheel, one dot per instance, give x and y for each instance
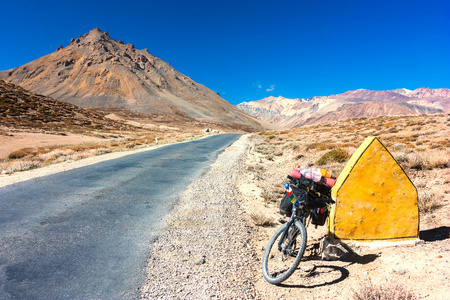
(278, 265)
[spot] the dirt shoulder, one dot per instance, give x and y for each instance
(18, 140)
(205, 250)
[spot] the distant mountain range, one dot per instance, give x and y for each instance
(292, 113)
(95, 70)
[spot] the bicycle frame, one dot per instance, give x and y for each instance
(293, 218)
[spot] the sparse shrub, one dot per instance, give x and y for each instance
(437, 159)
(445, 143)
(400, 156)
(415, 161)
(258, 170)
(261, 220)
(278, 153)
(268, 197)
(292, 146)
(335, 155)
(77, 148)
(434, 146)
(55, 154)
(265, 133)
(320, 146)
(253, 168)
(100, 151)
(399, 146)
(79, 155)
(299, 156)
(20, 153)
(428, 160)
(389, 290)
(23, 165)
(427, 200)
(265, 150)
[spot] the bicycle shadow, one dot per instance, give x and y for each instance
(344, 273)
(348, 256)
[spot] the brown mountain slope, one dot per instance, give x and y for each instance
(97, 71)
(20, 108)
(291, 113)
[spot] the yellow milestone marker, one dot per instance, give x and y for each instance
(375, 199)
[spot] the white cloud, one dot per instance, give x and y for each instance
(272, 87)
(257, 84)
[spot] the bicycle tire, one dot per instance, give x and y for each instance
(290, 255)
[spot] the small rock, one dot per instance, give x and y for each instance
(401, 272)
(201, 261)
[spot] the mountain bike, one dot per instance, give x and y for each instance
(287, 245)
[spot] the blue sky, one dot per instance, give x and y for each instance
(247, 50)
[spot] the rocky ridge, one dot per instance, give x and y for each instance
(20, 108)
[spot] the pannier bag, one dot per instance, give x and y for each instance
(319, 216)
(286, 206)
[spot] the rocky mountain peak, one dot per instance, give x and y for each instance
(95, 70)
(95, 35)
(402, 91)
(431, 93)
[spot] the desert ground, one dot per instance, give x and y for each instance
(416, 269)
(407, 271)
(17, 140)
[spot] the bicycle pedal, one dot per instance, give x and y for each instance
(282, 220)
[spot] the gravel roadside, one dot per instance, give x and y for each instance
(205, 250)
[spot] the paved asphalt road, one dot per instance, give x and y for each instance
(87, 233)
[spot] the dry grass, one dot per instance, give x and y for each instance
(260, 219)
(268, 197)
(23, 165)
(423, 160)
(427, 200)
(389, 290)
(335, 155)
(20, 153)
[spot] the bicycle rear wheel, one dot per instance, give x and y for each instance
(278, 265)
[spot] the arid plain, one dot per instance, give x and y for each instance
(419, 143)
